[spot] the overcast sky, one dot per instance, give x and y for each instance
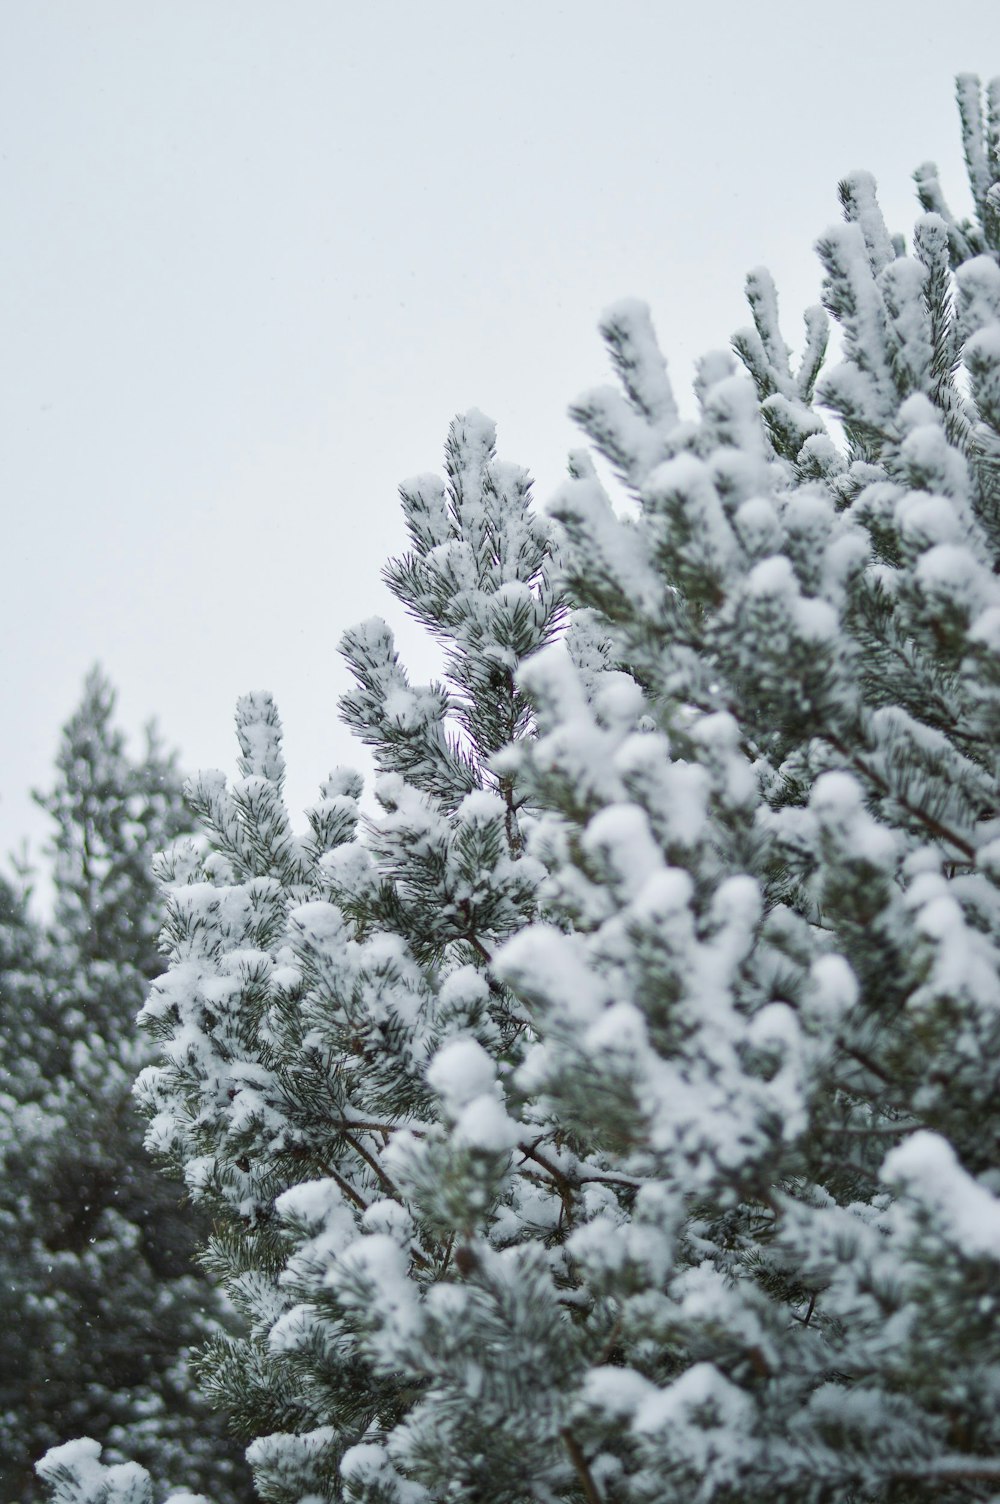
(256, 255)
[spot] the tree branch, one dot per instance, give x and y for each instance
(580, 1467)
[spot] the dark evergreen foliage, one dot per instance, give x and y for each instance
(102, 1298)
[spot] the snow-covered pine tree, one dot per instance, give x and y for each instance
(101, 1297)
(699, 1202)
(768, 995)
(314, 979)
(22, 992)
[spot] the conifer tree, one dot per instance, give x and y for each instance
(768, 989)
(22, 994)
(314, 979)
(616, 1117)
(101, 1295)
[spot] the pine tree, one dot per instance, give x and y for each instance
(615, 1117)
(314, 979)
(101, 1297)
(22, 993)
(768, 988)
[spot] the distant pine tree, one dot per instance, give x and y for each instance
(24, 1048)
(101, 1297)
(616, 1118)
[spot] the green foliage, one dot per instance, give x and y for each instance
(314, 979)
(101, 1296)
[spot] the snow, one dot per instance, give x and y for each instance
(317, 1203)
(718, 734)
(618, 700)
(284, 1454)
(986, 628)
(816, 620)
(773, 576)
(861, 206)
(259, 730)
(665, 898)
(584, 508)
(776, 1030)
(425, 504)
(484, 1124)
(482, 806)
(677, 789)
(461, 1072)
(833, 988)
(925, 520)
(838, 800)
(92, 1482)
(621, 1029)
(926, 1170)
(393, 1301)
(82, 1456)
(391, 1219)
(464, 1076)
(982, 351)
(704, 1421)
(619, 1392)
(369, 1465)
(757, 525)
(954, 571)
(629, 326)
(621, 837)
(685, 482)
(544, 963)
(979, 294)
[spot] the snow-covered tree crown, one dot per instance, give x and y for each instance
(645, 1149)
(771, 992)
(313, 980)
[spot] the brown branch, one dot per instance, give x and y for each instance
(346, 1187)
(479, 948)
(447, 1255)
(866, 1060)
(630, 1182)
(571, 1182)
(580, 1467)
(805, 1320)
(531, 1152)
(383, 1179)
(363, 1125)
(611, 1343)
(563, 1184)
(929, 821)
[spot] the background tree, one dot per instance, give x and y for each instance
(101, 1297)
(22, 992)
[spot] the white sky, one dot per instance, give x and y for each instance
(255, 256)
